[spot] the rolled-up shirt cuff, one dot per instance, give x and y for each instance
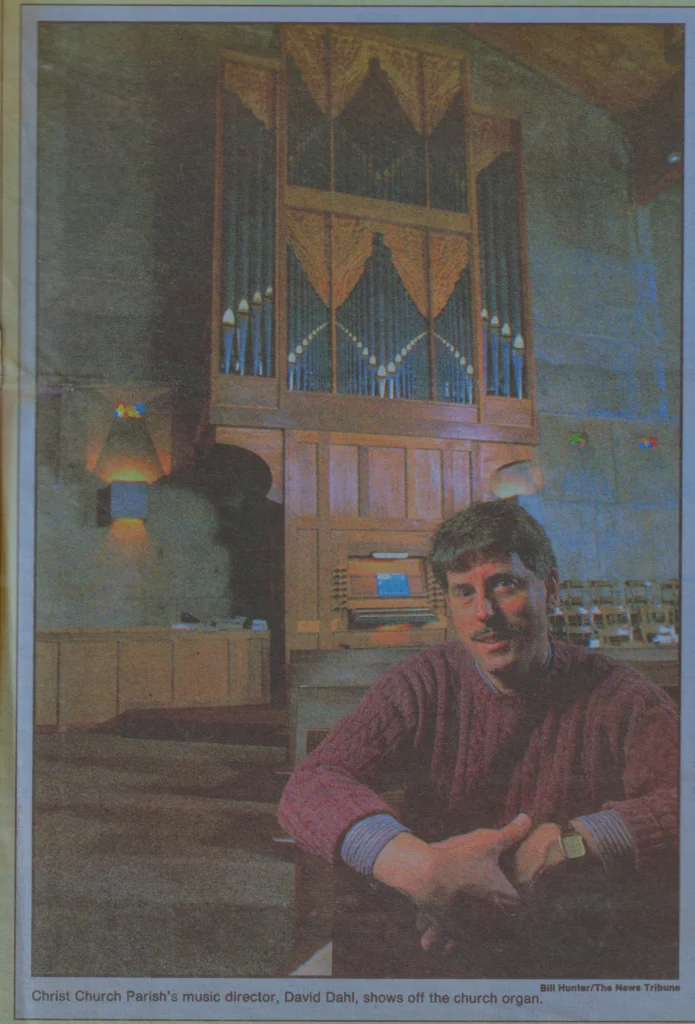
(612, 839)
(365, 840)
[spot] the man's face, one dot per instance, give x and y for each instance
(500, 611)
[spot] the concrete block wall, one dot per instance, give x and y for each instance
(96, 576)
(611, 507)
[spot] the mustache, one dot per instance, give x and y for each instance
(504, 633)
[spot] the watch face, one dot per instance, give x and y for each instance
(573, 845)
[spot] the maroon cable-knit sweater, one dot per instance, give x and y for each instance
(593, 735)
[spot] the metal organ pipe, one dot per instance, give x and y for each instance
(504, 215)
(248, 251)
(380, 331)
(309, 363)
(516, 323)
(242, 333)
(268, 329)
(518, 362)
(453, 338)
(500, 277)
(228, 331)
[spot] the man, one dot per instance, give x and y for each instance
(538, 768)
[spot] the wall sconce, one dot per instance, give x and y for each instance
(517, 479)
(128, 464)
(123, 499)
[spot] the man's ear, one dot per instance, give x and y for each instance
(552, 590)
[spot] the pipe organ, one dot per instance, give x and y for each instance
(371, 323)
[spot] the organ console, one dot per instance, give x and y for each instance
(371, 324)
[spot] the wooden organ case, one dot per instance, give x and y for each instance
(371, 329)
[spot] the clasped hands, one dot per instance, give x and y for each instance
(436, 876)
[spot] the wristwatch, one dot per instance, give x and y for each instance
(572, 844)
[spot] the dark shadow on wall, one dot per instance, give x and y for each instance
(251, 527)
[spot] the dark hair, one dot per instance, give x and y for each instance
(490, 528)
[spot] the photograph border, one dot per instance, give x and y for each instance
(18, 445)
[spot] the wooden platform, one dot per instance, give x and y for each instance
(249, 725)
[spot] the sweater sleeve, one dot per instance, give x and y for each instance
(647, 748)
(336, 785)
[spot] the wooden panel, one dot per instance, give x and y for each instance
(363, 483)
(201, 667)
(424, 484)
(302, 576)
(490, 137)
(349, 413)
(308, 626)
(457, 482)
(617, 67)
(375, 525)
(257, 671)
(250, 392)
(247, 670)
(512, 411)
(266, 443)
(364, 542)
(87, 683)
(377, 209)
(387, 488)
(420, 636)
(144, 674)
(102, 634)
(304, 642)
(99, 673)
(343, 480)
(46, 684)
(302, 497)
(388, 440)
(241, 57)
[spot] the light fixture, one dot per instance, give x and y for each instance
(128, 464)
(128, 453)
(123, 500)
(517, 479)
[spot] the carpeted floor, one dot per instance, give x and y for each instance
(155, 858)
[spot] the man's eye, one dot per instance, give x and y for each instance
(506, 585)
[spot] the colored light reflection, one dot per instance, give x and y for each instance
(129, 472)
(130, 410)
(129, 531)
(129, 454)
